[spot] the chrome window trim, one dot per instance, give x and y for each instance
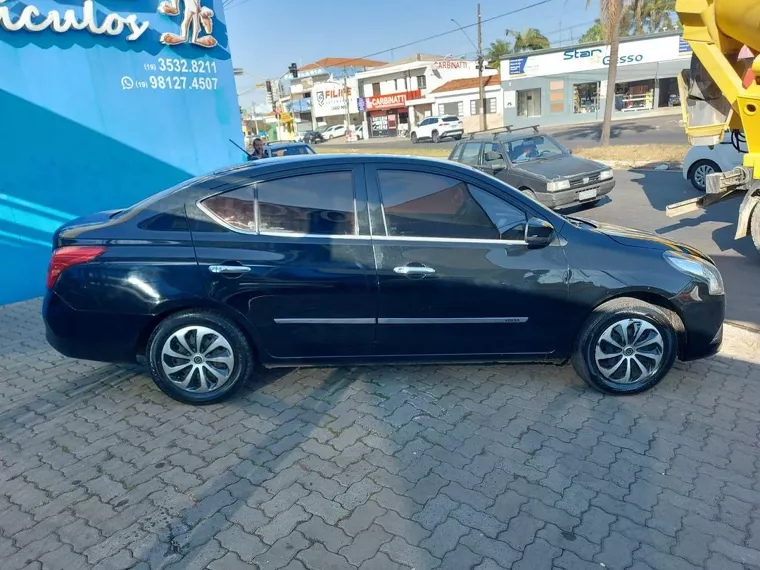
(321, 236)
(451, 240)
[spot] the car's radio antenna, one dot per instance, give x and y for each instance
(241, 148)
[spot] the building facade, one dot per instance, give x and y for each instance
(102, 108)
(320, 93)
(568, 85)
(461, 97)
(397, 96)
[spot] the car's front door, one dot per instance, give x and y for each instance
(455, 274)
(292, 253)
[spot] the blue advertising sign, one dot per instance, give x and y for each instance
(361, 104)
(102, 106)
(517, 65)
(683, 46)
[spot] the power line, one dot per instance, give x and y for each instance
(344, 64)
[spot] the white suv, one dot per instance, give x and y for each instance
(334, 131)
(437, 128)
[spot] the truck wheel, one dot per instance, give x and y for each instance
(754, 227)
(699, 171)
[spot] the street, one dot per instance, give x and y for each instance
(656, 130)
(450, 467)
(639, 200)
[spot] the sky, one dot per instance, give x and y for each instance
(267, 36)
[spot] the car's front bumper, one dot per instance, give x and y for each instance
(702, 320)
(90, 335)
(570, 197)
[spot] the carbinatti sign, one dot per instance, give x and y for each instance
(392, 100)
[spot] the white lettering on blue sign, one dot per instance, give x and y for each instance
(112, 25)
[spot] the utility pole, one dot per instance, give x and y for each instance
(480, 76)
(347, 102)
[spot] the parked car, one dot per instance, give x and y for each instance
(539, 167)
(703, 160)
(359, 259)
(334, 132)
(313, 137)
(359, 130)
(438, 128)
(286, 148)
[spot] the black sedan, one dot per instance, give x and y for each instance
(539, 167)
(343, 260)
(313, 137)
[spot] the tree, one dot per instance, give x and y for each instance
(529, 39)
(496, 51)
(594, 34)
(611, 12)
(656, 16)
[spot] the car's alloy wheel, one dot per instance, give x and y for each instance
(414, 138)
(436, 137)
(199, 357)
(626, 346)
(699, 172)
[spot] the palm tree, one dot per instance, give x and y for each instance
(496, 51)
(611, 12)
(656, 15)
(529, 39)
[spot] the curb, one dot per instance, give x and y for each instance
(641, 165)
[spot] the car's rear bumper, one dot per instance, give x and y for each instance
(452, 133)
(570, 197)
(89, 335)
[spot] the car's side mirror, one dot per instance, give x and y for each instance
(538, 232)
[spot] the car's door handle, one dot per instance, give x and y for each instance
(228, 269)
(413, 270)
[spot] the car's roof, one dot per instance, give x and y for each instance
(282, 144)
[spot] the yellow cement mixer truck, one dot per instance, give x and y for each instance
(721, 92)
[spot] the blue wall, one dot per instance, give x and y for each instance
(78, 137)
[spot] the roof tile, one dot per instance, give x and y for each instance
(468, 83)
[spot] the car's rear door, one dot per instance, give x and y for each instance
(291, 252)
(455, 274)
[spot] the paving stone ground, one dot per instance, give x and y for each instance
(376, 468)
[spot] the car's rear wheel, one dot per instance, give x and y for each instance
(436, 137)
(626, 346)
(699, 171)
(414, 138)
(199, 357)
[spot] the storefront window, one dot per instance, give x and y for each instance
(586, 97)
(490, 109)
(634, 96)
(456, 109)
(529, 103)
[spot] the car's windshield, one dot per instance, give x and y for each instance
(532, 148)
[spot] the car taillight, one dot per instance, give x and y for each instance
(65, 257)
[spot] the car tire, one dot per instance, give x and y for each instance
(601, 354)
(529, 193)
(233, 361)
(699, 171)
(436, 137)
(414, 138)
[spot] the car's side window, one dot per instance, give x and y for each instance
(508, 219)
(471, 153)
(321, 203)
(234, 208)
(419, 204)
(457, 153)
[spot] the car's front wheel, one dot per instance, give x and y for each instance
(626, 346)
(414, 138)
(699, 171)
(199, 357)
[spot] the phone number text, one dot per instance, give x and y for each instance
(176, 65)
(179, 83)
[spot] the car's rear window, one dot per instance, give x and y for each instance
(450, 119)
